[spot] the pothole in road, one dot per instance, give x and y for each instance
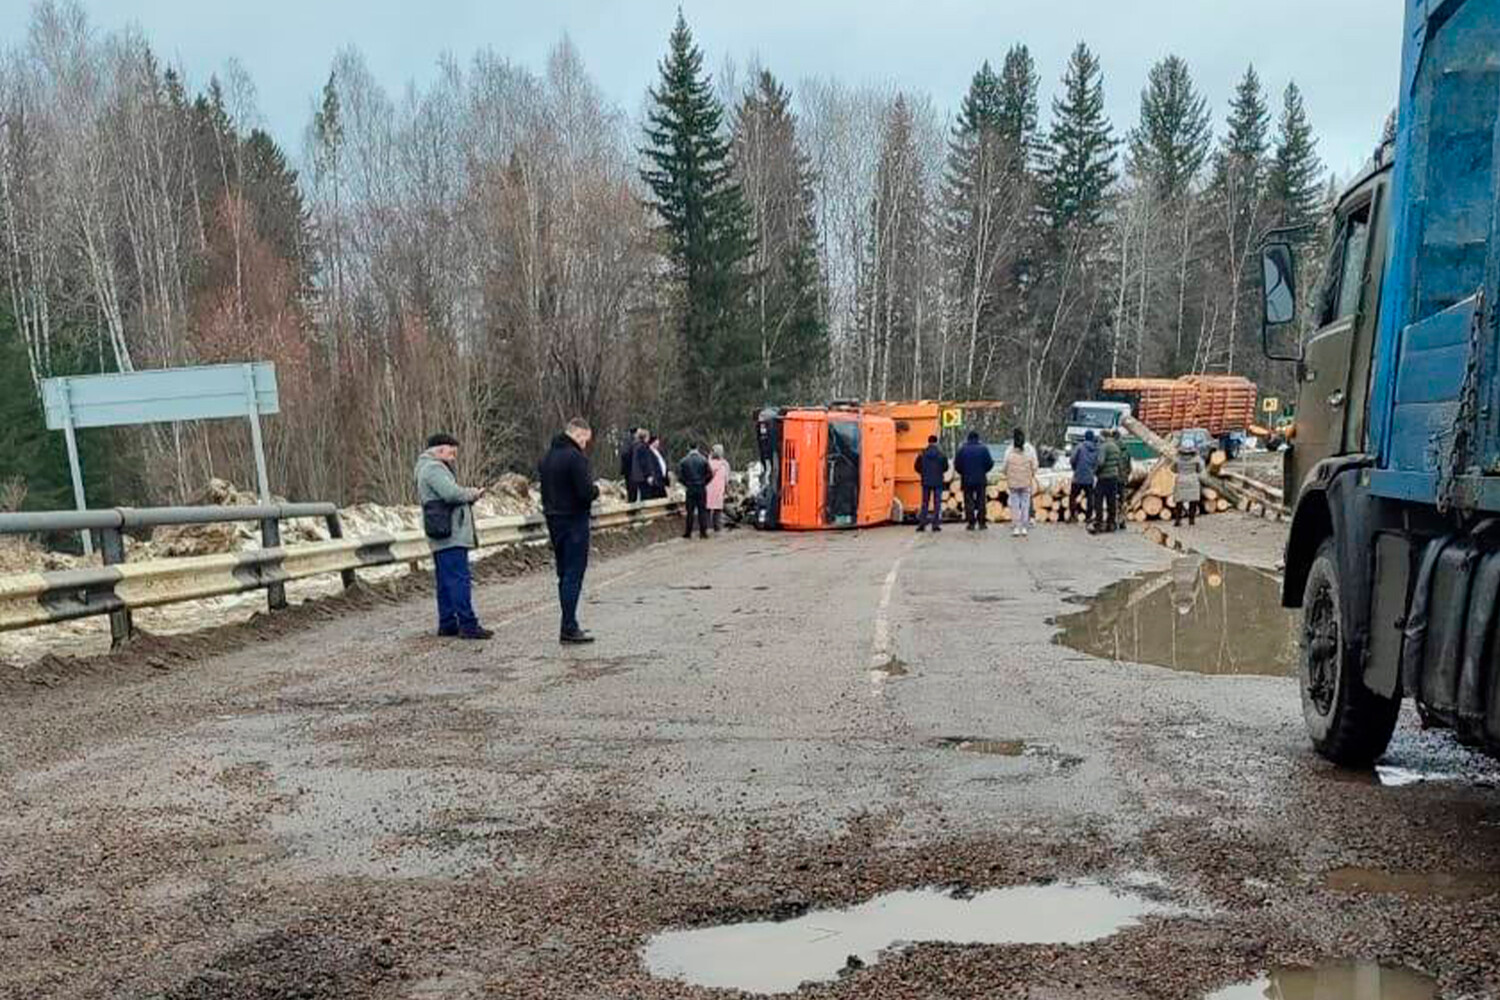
(1428, 885)
(1344, 980)
(1200, 615)
(778, 956)
(1005, 748)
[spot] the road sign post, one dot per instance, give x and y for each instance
(77, 475)
(161, 395)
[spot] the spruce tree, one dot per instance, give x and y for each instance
(1079, 159)
(975, 136)
(988, 155)
(1016, 114)
(1296, 177)
(271, 188)
(786, 283)
(1248, 127)
(33, 456)
(1238, 194)
(1171, 144)
(705, 225)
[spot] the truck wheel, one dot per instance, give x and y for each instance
(1349, 724)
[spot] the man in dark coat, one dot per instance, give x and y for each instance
(973, 464)
(636, 439)
(1085, 462)
(932, 465)
(694, 472)
(650, 468)
(568, 491)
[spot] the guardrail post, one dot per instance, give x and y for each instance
(112, 547)
(336, 530)
(270, 538)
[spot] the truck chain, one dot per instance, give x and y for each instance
(1450, 470)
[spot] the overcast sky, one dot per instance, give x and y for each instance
(1343, 53)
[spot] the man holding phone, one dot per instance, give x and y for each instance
(448, 520)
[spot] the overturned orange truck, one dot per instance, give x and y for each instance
(844, 465)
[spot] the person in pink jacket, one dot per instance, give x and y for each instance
(717, 486)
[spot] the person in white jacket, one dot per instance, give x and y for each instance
(1020, 473)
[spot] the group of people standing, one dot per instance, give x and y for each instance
(1101, 469)
(704, 477)
(568, 495)
(973, 465)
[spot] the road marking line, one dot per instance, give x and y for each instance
(880, 653)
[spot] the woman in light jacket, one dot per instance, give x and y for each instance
(717, 486)
(1020, 473)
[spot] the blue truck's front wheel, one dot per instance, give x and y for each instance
(1349, 724)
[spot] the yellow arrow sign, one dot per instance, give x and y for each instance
(952, 417)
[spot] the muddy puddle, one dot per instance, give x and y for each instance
(1341, 981)
(778, 956)
(991, 747)
(1415, 884)
(1199, 615)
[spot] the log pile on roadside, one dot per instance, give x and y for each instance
(1229, 490)
(1148, 497)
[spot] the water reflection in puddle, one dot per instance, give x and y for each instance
(1200, 615)
(777, 957)
(1344, 981)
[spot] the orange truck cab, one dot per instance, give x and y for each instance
(825, 467)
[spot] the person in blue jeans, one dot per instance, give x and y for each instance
(568, 493)
(932, 466)
(445, 504)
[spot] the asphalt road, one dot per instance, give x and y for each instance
(769, 724)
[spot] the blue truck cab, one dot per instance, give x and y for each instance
(1394, 472)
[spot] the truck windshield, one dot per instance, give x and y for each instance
(843, 472)
(1093, 418)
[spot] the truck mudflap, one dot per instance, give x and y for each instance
(1449, 661)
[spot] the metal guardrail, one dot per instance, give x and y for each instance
(118, 587)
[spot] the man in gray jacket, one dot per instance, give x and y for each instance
(448, 519)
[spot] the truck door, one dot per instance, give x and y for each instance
(1324, 395)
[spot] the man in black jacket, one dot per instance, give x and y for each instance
(694, 472)
(650, 470)
(973, 464)
(568, 491)
(630, 467)
(932, 466)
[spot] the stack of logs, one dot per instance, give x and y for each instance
(1049, 501)
(1148, 497)
(1153, 499)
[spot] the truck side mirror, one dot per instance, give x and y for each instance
(1278, 295)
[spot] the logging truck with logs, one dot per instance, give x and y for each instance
(1393, 473)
